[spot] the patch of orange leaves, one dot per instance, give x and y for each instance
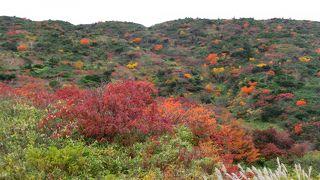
(297, 129)
(213, 58)
(136, 40)
(238, 142)
(301, 102)
(222, 139)
(85, 41)
(157, 47)
(187, 75)
(22, 47)
(248, 90)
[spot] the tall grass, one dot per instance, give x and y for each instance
(281, 173)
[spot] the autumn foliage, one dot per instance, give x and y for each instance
(301, 102)
(78, 64)
(22, 47)
(298, 128)
(213, 58)
(238, 142)
(229, 137)
(216, 85)
(249, 88)
(117, 109)
(132, 65)
(187, 75)
(85, 41)
(157, 47)
(31, 90)
(200, 119)
(136, 40)
(129, 110)
(273, 143)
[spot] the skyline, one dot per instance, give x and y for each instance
(149, 12)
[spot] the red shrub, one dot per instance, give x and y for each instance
(272, 151)
(264, 100)
(298, 128)
(299, 149)
(15, 32)
(280, 139)
(117, 109)
(5, 90)
(273, 144)
(213, 58)
(70, 94)
(284, 96)
(31, 90)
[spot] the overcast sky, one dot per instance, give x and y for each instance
(149, 12)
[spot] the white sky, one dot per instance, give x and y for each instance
(149, 12)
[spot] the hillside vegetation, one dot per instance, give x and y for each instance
(187, 98)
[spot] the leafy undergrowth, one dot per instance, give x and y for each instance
(123, 130)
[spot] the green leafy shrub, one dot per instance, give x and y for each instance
(311, 159)
(74, 159)
(7, 77)
(54, 84)
(165, 150)
(18, 125)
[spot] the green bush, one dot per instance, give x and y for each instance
(74, 159)
(166, 150)
(269, 113)
(18, 125)
(310, 159)
(54, 84)
(7, 77)
(96, 80)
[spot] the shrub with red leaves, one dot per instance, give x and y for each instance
(284, 96)
(270, 151)
(308, 131)
(299, 149)
(265, 99)
(5, 90)
(117, 109)
(273, 144)
(31, 90)
(281, 139)
(213, 58)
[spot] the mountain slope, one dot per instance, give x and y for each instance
(266, 72)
